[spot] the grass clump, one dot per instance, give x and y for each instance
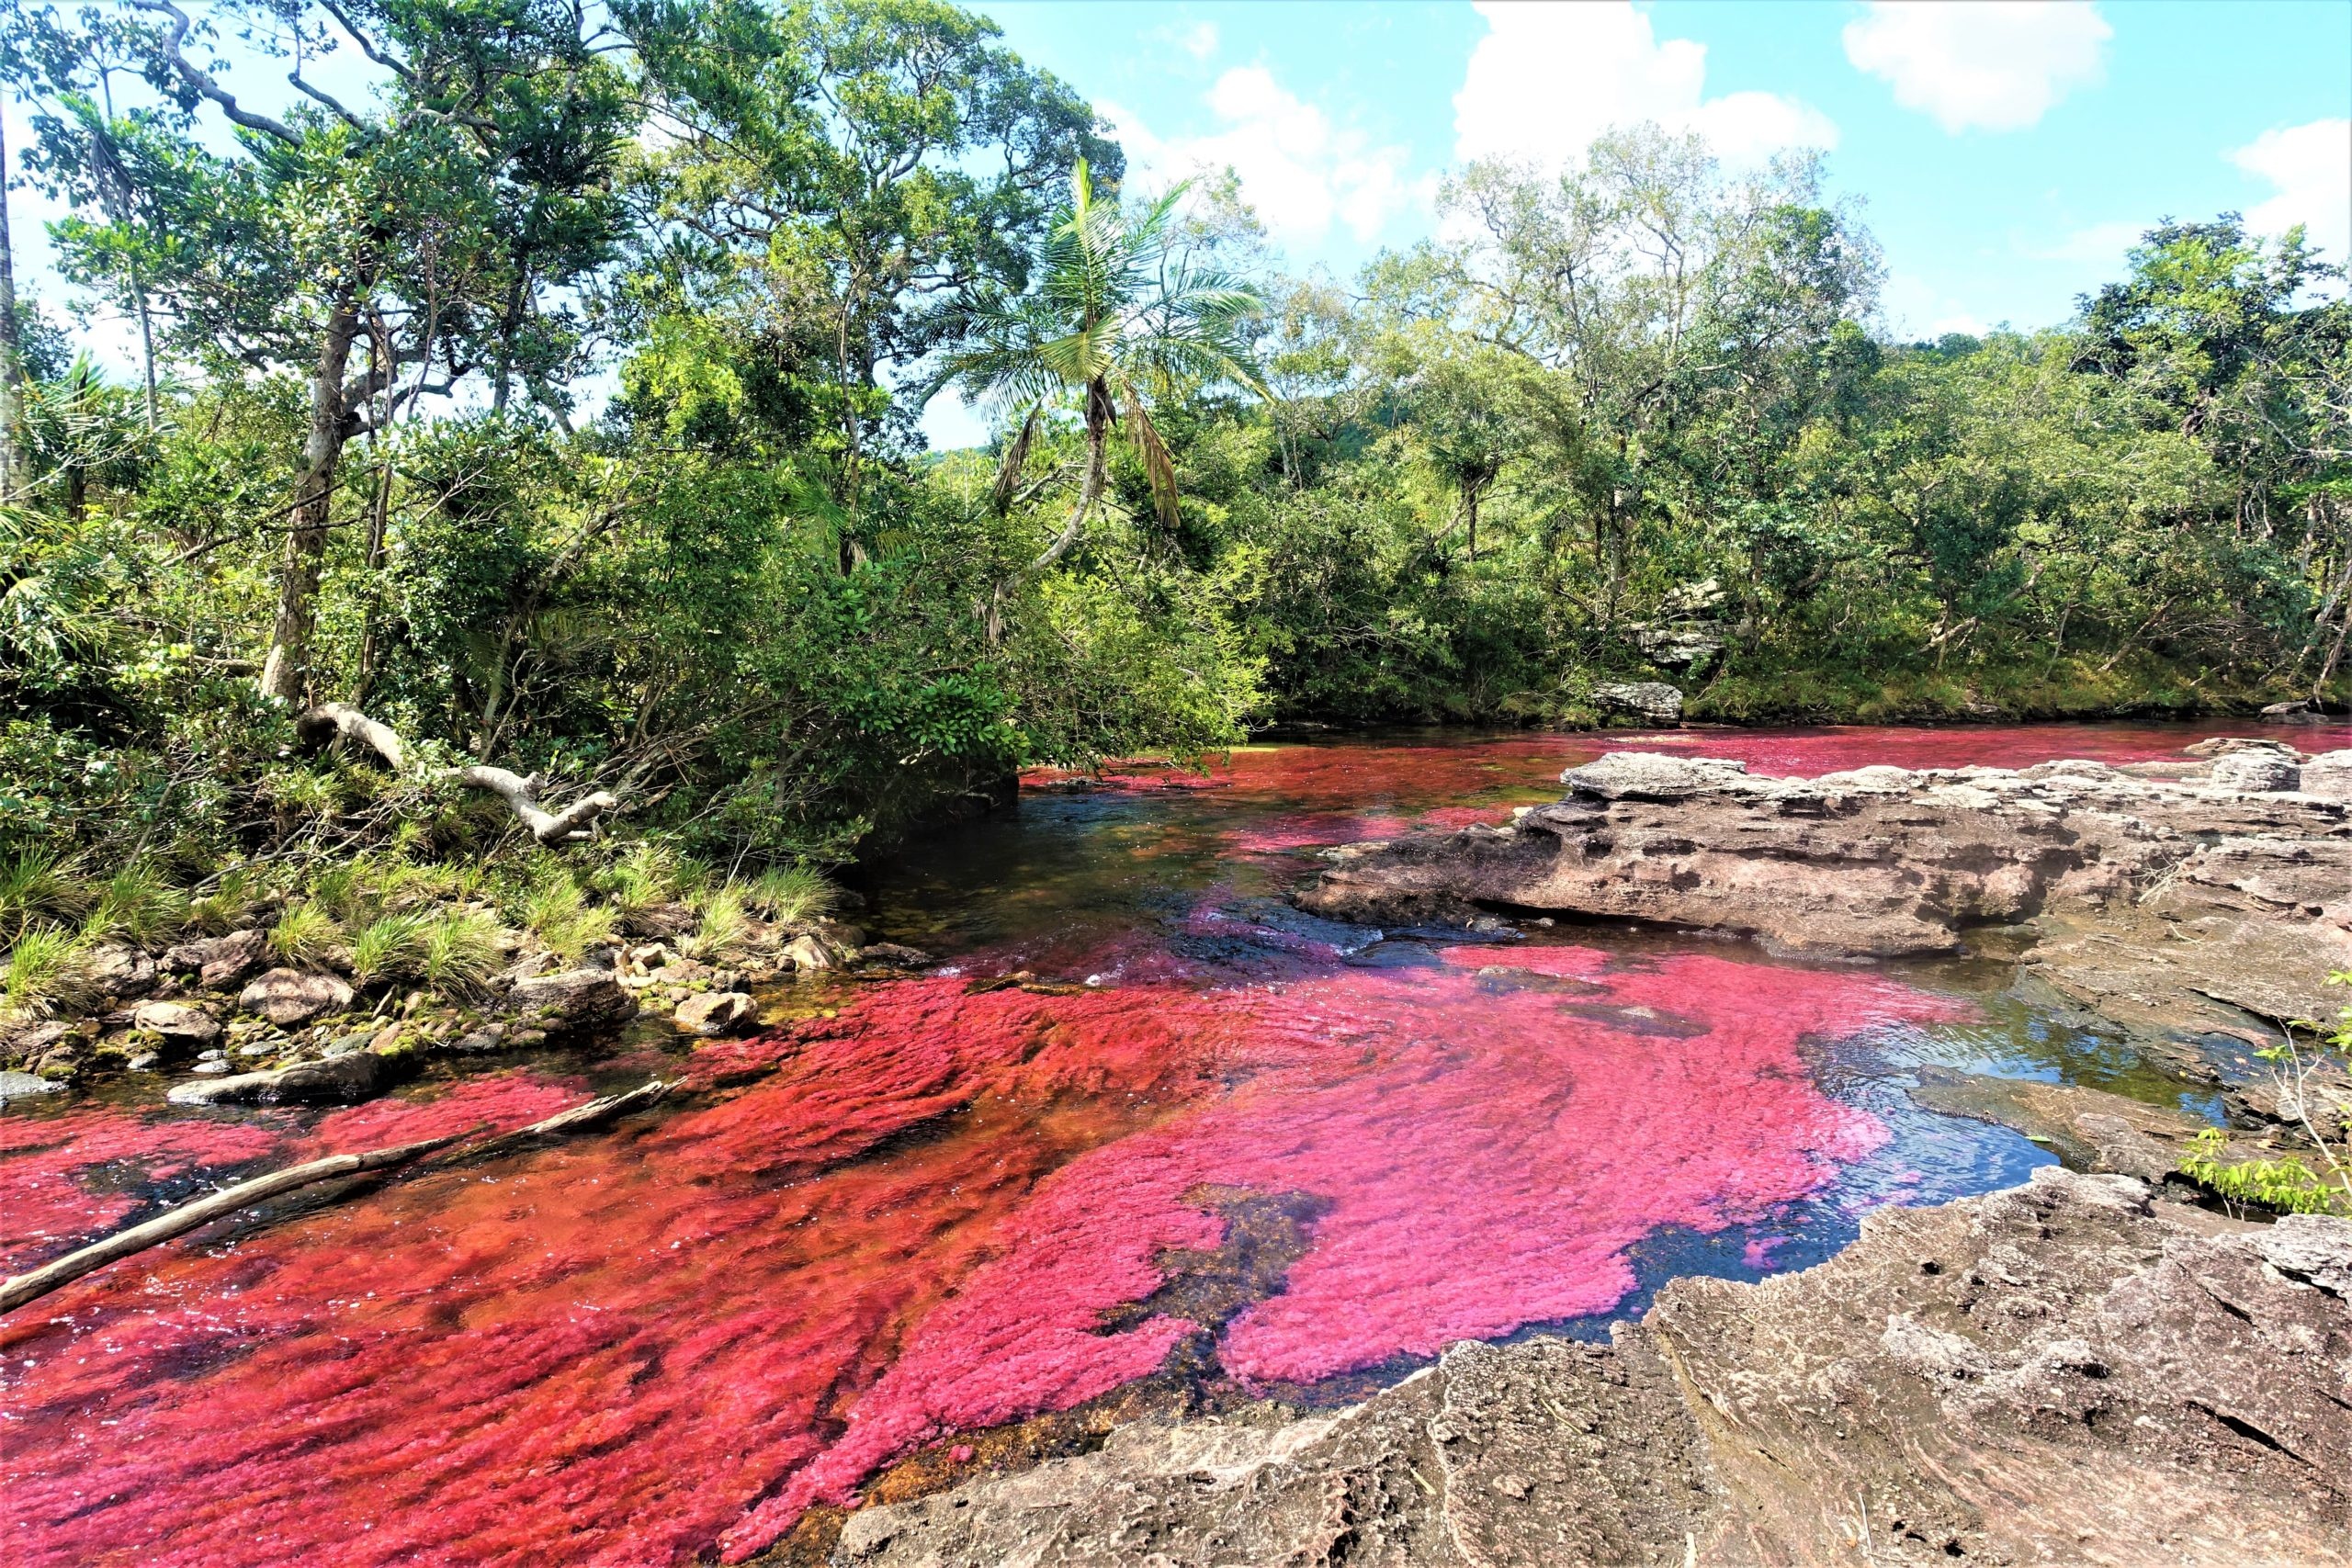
(137, 905)
(722, 924)
(37, 885)
(305, 934)
(460, 954)
(232, 902)
(556, 910)
(791, 893)
(390, 948)
(47, 970)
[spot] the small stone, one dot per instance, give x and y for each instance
(490, 1037)
(385, 1039)
(288, 996)
(145, 1062)
(1513, 1486)
(714, 1012)
(211, 1069)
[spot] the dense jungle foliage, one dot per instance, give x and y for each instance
(553, 398)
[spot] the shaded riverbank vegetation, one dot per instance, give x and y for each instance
(553, 398)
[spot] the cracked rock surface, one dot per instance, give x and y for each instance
(2066, 1372)
(2197, 900)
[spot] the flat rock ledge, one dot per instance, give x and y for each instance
(2189, 898)
(2071, 1371)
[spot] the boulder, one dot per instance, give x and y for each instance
(288, 996)
(575, 999)
(2255, 771)
(2066, 1372)
(339, 1080)
(32, 1040)
(1652, 700)
(714, 1012)
(177, 1024)
(119, 969)
(24, 1086)
(2329, 776)
(218, 962)
(809, 954)
(895, 952)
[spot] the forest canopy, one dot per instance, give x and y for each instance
(553, 398)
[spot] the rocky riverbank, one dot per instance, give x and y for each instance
(226, 1020)
(2070, 1370)
(2198, 904)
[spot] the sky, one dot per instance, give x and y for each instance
(2006, 155)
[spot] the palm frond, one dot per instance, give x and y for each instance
(1016, 458)
(1157, 463)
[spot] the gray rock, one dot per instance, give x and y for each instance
(218, 962)
(893, 952)
(2253, 772)
(488, 1038)
(714, 1012)
(288, 996)
(31, 1040)
(1653, 700)
(212, 1066)
(810, 953)
(119, 969)
(176, 1024)
(145, 1062)
(24, 1086)
(341, 1080)
(573, 1000)
(2063, 1371)
(2329, 776)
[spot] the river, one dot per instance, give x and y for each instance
(1148, 1128)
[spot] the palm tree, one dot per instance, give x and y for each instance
(1121, 308)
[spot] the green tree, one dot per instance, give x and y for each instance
(422, 235)
(1120, 309)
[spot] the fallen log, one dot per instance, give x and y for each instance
(29, 1287)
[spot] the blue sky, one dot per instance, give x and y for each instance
(2005, 154)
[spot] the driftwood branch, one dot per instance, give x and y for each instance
(29, 1287)
(316, 726)
(24, 1287)
(547, 826)
(330, 721)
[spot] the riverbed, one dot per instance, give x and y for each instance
(1143, 1123)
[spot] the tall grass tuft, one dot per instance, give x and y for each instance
(388, 949)
(722, 921)
(37, 885)
(232, 904)
(460, 955)
(137, 905)
(305, 934)
(47, 970)
(558, 914)
(793, 893)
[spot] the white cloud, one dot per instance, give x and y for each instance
(2310, 167)
(1199, 41)
(2100, 245)
(1989, 64)
(1547, 79)
(1918, 312)
(1303, 173)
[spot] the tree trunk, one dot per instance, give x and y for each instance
(12, 351)
(1090, 491)
(284, 671)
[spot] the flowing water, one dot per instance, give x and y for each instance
(1148, 1123)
